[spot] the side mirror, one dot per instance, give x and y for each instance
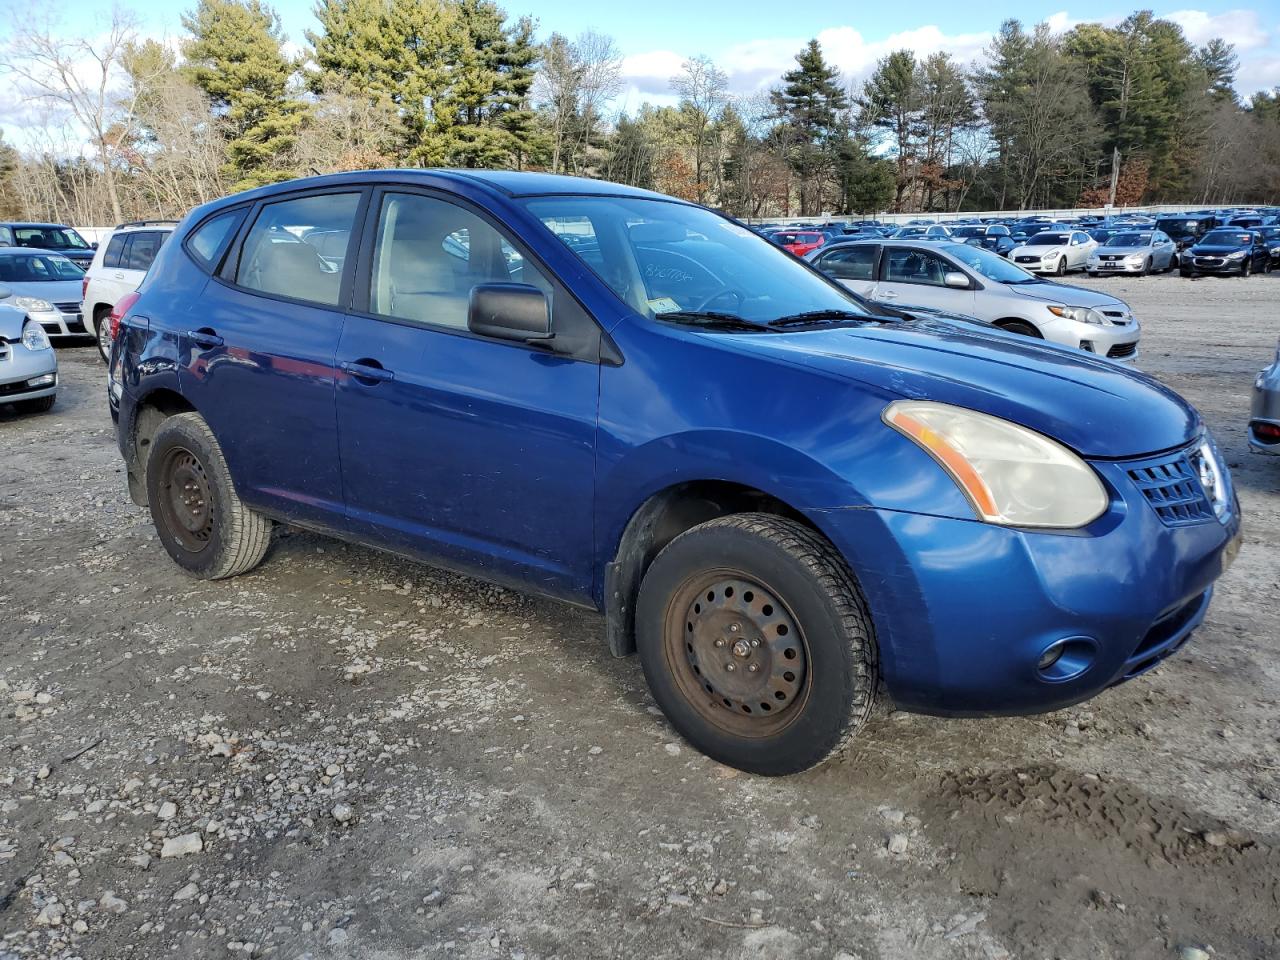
(954, 278)
(509, 311)
(94, 245)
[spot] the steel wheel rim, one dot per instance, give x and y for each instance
(737, 653)
(186, 503)
(104, 337)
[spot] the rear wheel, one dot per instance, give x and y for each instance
(756, 643)
(102, 330)
(200, 519)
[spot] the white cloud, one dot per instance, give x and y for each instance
(1243, 28)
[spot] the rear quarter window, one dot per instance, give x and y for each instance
(115, 247)
(207, 242)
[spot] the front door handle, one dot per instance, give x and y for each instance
(368, 370)
(204, 338)
(886, 295)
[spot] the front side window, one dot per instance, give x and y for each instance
(915, 266)
(429, 253)
(277, 260)
(990, 265)
(661, 257)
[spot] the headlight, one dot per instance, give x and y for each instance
(34, 337)
(1078, 314)
(1238, 255)
(1011, 475)
(33, 304)
(1133, 258)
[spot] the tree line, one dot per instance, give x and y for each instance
(1124, 114)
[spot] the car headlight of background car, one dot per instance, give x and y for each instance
(1238, 255)
(1133, 258)
(34, 337)
(1011, 475)
(1078, 314)
(34, 304)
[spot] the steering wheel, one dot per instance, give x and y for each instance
(723, 291)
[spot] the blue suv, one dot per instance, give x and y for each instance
(785, 502)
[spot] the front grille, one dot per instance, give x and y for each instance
(1111, 257)
(7, 389)
(1173, 489)
(1122, 350)
(68, 307)
(1027, 259)
(1209, 261)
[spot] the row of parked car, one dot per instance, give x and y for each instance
(1196, 243)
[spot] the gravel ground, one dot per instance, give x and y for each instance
(347, 755)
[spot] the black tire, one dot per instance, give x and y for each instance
(38, 405)
(1183, 272)
(1146, 268)
(102, 332)
(200, 519)
(1061, 270)
(815, 682)
(1246, 268)
(1022, 327)
(1094, 274)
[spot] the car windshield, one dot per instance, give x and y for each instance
(968, 231)
(1271, 233)
(49, 238)
(906, 232)
(990, 265)
(1230, 238)
(1180, 228)
(662, 257)
(34, 268)
(1049, 240)
(1130, 240)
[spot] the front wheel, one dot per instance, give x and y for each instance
(200, 519)
(39, 405)
(1062, 267)
(1246, 268)
(1146, 268)
(756, 643)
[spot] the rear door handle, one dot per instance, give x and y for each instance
(204, 338)
(365, 370)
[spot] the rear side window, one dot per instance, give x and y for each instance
(115, 249)
(276, 258)
(210, 237)
(142, 249)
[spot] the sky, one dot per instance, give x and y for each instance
(755, 41)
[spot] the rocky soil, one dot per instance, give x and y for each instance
(343, 754)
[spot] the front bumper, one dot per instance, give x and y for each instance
(1116, 341)
(1214, 265)
(63, 321)
(964, 610)
(25, 374)
(1114, 266)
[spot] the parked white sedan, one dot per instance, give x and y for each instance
(1055, 252)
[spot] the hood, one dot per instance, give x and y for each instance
(1098, 408)
(1047, 291)
(1120, 251)
(11, 322)
(55, 291)
(1217, 249)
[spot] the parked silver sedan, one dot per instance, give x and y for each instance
(28, 366)
(1264, 418)
(1134, 251)
(47, 286)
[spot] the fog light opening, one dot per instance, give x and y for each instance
(1087, 346)
(1066, 659)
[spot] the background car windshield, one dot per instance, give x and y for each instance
(1048, 240)
(990, 265)
(969, 231)
(1179, 228)
(1230, 238)
(37, 269)
(58, 238)
(1130, 240)
(660, 257)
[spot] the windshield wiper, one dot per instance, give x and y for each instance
(711, 318)
(816, 316)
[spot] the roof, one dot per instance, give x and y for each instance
(26, 223)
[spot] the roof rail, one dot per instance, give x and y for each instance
(143, 223)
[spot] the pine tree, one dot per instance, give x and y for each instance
(810, 105)
(235, 55)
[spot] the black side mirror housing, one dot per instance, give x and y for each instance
(509, 311)
(94, 245)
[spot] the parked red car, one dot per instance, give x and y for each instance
(799, 242)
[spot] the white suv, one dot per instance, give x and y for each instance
(118, 267)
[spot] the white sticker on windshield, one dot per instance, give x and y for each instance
(663, 305)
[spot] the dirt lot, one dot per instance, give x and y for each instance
(360, 757)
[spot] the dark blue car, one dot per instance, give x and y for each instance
(1227, 251)
(633, 404)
